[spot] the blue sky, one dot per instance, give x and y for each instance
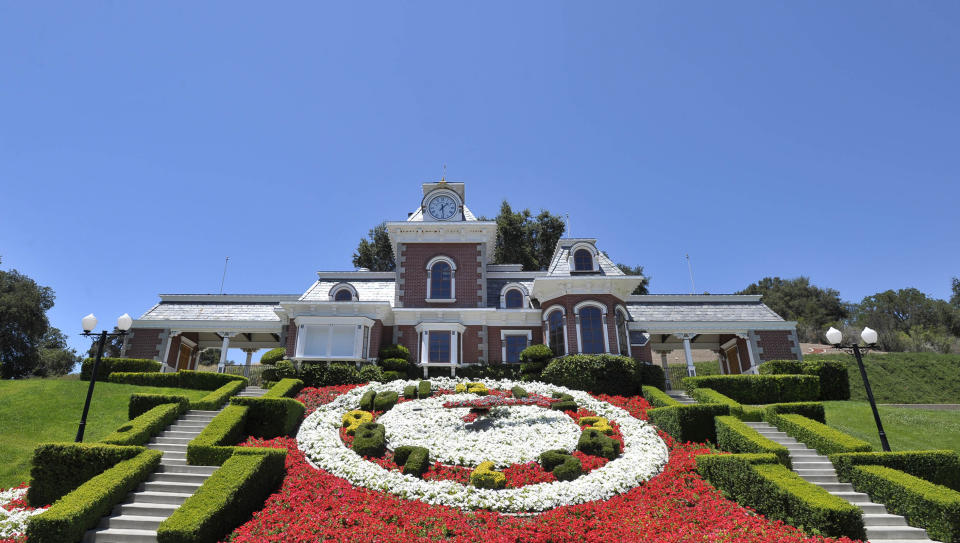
(142, 143)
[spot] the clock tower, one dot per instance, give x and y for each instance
(443, 201)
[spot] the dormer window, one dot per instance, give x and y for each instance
(343, 292)
(440, 279)
(343, 295)
(513, 299)
(582, 260)
(514, 296)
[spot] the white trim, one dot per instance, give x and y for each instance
(304, 319)
(343, 285)
(710, 327)
(452, 326)
(503, 342)
(603, 319)
(453, 279)
(694, 298)
(619, 286)
(441, 258)
(440, 300)
(340, 275)
(189, 342)
(587, 246)
(358, 324)
(728, 344)
(212, 325)
(525, 294)
(626, 328)
(563, 326)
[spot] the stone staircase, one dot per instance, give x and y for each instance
(136, 519)
(681, 396)
(882, 527)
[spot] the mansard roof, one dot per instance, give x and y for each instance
(370, 286)
(560, 263)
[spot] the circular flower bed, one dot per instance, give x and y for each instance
(14, 513)
(643, 456)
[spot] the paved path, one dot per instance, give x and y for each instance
(934, 406)
(681, 397)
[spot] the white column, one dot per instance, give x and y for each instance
(691, 369)
(246, 368)
(166, 351)
(223, 351)
(666, 368)
(753, 360)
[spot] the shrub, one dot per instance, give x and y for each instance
(208, 380)
(395, 364)
(273, 356)
(423, 389)
(757, 481)
(410, 392)
(570, 469)
(735, 436)
(490, 371)
(141, 403)
(215, 443)
(311, 373)
(939, 467)
(393, 376)
(689, 422)
(268, 418)
(140, 429)
(595, 443)
(227, 498)
(933, 507)
(601, 374)
(819, 436)
(811, 410)
(384, 401)
(168, 380)
(534, 359)
(286, 388)
(484, 477)
(657, 397)
(218, 397)
(780, 367)
(366, 401)
(370, 440)
(353, 419)
(708, 395)
(371, 372)
(282, 369)
(415, 460)
(71, 516)
(518, 392)
(553, 458)
(110, 365)
(652, 375)
(394, 351)
(759, 389)
(341, 373)
(833, 376)
(59, 468)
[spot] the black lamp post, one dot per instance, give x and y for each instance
(869, 336)
(89, 323)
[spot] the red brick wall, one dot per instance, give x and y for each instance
(410, 339)
(376, 333)
(291, 340)
(776, 345)
(386, 337)
(144, 343)
(642, 354)
(414, 275)
(571, 300)
(496, 345)
(471, 344)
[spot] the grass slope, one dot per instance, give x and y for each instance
(34, 411)
(903, 377)
(906, 428)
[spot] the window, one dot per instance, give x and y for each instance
(582, 260)
(591, 330)
(513, 299)
(332, 341)
(440, 272)
(622, 337)
(555, 333)
(439, 343)
(342, 295)
(514, 344)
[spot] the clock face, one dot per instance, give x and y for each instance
(442, 207)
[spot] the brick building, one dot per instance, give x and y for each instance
(451, 307)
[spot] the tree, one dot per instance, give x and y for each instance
(56, 358)
(955, 298)
(111, 348)
(895, 312)
(23, 323)
(375, 254)
(812, 307)
(525, 239)
(636, 270)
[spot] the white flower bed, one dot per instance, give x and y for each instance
(13, 522)
(643, 457)
(508, 435)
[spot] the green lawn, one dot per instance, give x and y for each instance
(903, 377)
(34, 411)
(906, 428)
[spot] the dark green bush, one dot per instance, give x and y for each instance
(394, 351)
(311, 373)
(652, 375)
(227, 498)
(657, 397)
(271, 417)
(601, 373)
(216, 442)
(490, 371)
(284, 369)
(110, 365)
(273, 356)
(395, 364)
(371, 372)
(689, 422)
(834, 380)
(384, 401)
(708, 395)
(757, 481)
(819, 436)
(423, 389)
(759, 389)
(370, 440)
(570, 469)
(218, 397)
(59, 468)
(553, 458)
(735, 436)
(140, 429)
(595, 443)
(141, 403)
(780, 367)
(938, 467)
(534, 359)
(168, 380)
(410, 392)
(811, 410)
(71, 516)
(286, 388)
(339, 373)
(366, 401)
(393, 376)
(415, 460)
(518, 392)
(564, 405)
(932, 507)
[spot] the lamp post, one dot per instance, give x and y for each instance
(89, 323)
(869, 336)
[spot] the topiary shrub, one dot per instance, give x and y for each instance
(595, 443)
(394, 351)
(59, 468)
(410, 392)
(143, 427)
(518, 392)
(485, 477)
(759, 389)
(689, 422)
(366, 401)
(283, 369)
(415, 460)
(819, 436)
(811, 410)
(371, 372)
(393, 376)
(311, 373)
(273, 356)
(597, 373)
(735, 436)
(657, 397)
(341, 373)
(287, 388)
(569, 470)
(423, 389)
(395, 364)
(268, 418)
(370, 440)
(384, 401)
(534, 359)
(141, 403)
(354, 419)
(780, 367)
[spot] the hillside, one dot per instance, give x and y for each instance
(903, 377)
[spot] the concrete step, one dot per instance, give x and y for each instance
(812, 465)
(851, 496)
(820, 479)
(168, 447)
(198, 478)
(174, 455)
(131, 522)
(157, 486)
(145, 509)
(808, 455)
(173, 461)
(204, 412)
(800, 447)
(814, 471)
(883, 519)
(187, 425)
(179, 434)
(872, 508)
(880, 533)
(120, 535)
(168, 498)
(202, 470)
(169, 441)
(836, 487)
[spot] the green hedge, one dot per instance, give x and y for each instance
(110, 365)
(271, 417)
(932, 507)
(652, 375)
(167, 380)
(227, 498)
(657, 397)
(215, 443)
(819, 436)
(597, 373)
(59, 468)
(811, 410)
(139, 430)
(708, 395)
(218, 397)
(371, 372)
(141, 403)
(394, 351)
(757, 481)
(395, 364)
(939, 467)
(285, 388)
(759, 389)
(197, 380)
(780, 367)
(72, 515)
(735, 436)
(834, 380)
(689, 422)
(273, 356)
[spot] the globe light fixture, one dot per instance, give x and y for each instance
(89, 323)
(869, 336)
(834, 336)
(124, 322)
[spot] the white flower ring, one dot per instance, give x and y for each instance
(643, 457)
(13, 522)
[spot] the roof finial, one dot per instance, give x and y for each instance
(443, 178)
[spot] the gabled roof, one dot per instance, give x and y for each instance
(560, 263)
(216, 307)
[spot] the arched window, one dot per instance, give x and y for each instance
(556, 334)
(591, 330)
(582, 260)
(440, 279)
(622, 335)
(343, 295)
(513, 299)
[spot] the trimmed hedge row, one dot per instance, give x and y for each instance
(824, 439)
(930, 506)
(197, 380)
(811, 410)
(285, 388)
(759, 389)
(757, 481)
(652, 375)
(59, 468)
(227, 498)
(657, 397)
(708, 395)
(218, 397)
(141, 403)
(215, 443)
(110, 365)
(689, 422)
(834, 380)
(80, 510)
(139, 430)
(735, 436)
(271, 417)
(597, 373)
(939, 467)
